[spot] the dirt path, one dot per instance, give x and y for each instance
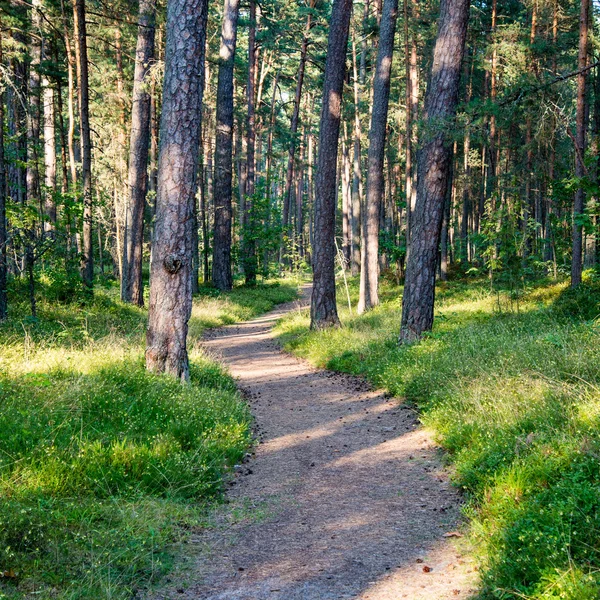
(345, 497)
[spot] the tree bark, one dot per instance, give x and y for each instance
(223, 179)
(369, 275)
(323, 310)
(49, 157)
(580, 143)
(3, 240)
(433, 170)
(86, 140)
(287, 198)
(132, 287)
(170, 271)
(249, 246)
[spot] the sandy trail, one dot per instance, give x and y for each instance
(345, 497)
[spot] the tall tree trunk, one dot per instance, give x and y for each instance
(412, 104)
(580, 142)
(249, 247)
(132, 287)
(356, 171)
(369, 275)
(49, 157)
(170, 271)
(33, 111)
(223, 191)
(323, 309)
(3, 239)
(86, 140)
(287, 194)
(434, 169)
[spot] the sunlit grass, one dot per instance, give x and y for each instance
(512, 391)
(103, 466)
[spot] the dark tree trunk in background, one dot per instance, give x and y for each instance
(33, 112)
(323, 309)
(132, 287)
(86, 140)
(369, 274)
(249, 245)
(287, 194)
(3, 265)
(580, 142)
(170, 270)
(433, 170)
(223, 183)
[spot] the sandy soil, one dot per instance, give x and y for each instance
(345, 496)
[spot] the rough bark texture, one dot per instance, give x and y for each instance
(433, 170)
(369, 275)
(580, 140)
(132, 289)
(170, 270)
(223, 188)
(86, 140)
(323, 310)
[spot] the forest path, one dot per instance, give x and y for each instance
(345, 497)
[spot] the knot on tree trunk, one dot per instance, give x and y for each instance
(172, 263)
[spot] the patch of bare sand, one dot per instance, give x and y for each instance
(344, 498)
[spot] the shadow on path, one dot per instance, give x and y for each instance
(345, 497)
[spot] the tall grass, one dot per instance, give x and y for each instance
(103, 466)
(512, 391)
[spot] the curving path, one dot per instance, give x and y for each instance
(344, 498)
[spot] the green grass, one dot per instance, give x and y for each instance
(512, 392)
(103, 466)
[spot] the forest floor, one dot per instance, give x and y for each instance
(345, 496)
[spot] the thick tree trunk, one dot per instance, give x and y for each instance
(86, 140)
(369, 275)
(433, 170)
(170, 270)
(132, 287)
(323, 310)
(223, 179)
(580, 143)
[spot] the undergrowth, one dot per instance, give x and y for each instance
(103, 466)
(511, 386)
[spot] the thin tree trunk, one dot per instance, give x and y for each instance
(3, 239)
(132, 287)
(223, 190)
(287, 198)
(86, 140)
(170, 271)
(323, 310)
(356, 173)
(49, 157)
(434, 169)
(580, 143)
(249, 248)
(369, 275)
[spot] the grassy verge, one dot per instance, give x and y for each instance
(103, 467)
(513, 393)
